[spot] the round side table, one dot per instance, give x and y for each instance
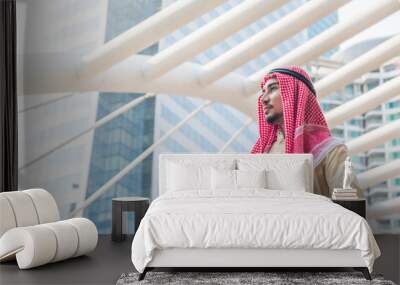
(138, 205)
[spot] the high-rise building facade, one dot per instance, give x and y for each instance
(121, 140)
(378, 117)
(47, 122)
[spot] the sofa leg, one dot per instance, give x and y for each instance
(364, 271)
(143, 274)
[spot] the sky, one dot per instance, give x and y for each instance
(388, 26)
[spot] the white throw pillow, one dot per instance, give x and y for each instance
(251, 178)
(227, 179)
(188, 177)
(193, 174)
(282, 174)
(223, 179)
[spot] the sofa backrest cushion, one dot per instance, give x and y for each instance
(26, 208)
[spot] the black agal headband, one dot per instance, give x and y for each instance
(297, 75)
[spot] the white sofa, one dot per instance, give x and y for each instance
(31, 231)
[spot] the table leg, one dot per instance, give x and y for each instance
(116, 234)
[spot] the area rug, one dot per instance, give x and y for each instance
(225, 278)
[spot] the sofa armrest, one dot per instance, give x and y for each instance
(40, 244)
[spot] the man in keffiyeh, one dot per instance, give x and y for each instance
(291, 121)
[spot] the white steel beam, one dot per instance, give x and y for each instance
(374, 138)
(98, 124)
(235, 135)
(332, 37)
(384, 209)
(208, 35)
(103, 189)
(359, 66)
(379, 174)
(46, 76)
(272, 35)
(145, 34)
(363, 103)
(51, 101)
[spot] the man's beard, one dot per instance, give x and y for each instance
(273, 119)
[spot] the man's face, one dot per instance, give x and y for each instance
(272, 102)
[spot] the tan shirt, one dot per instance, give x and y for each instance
(330, 171)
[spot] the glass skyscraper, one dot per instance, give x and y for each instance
(375, 118)
(47, 121)
(120, 141)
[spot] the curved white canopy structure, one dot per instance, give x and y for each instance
(144, 34)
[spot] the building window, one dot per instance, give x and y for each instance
(389, 67)
(393, 117)
(394, 104)
(396, 142)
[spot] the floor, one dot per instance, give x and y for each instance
(388, 263)
(103, 266)
(111, 259)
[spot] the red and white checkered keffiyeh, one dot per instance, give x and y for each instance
(305, 127)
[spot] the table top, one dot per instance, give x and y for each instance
(130, 199)
(353, 199)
